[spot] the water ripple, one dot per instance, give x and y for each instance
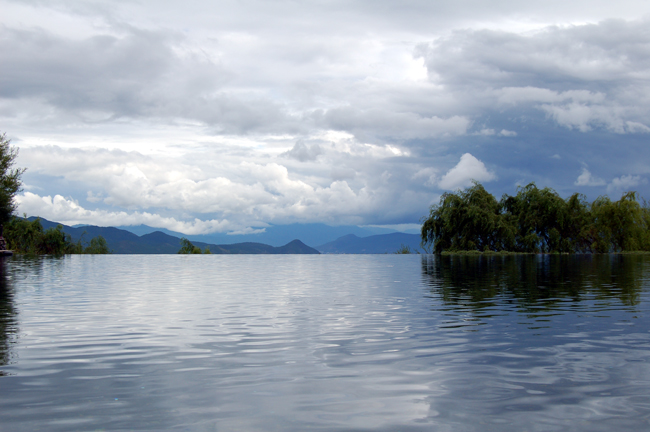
(325, 342)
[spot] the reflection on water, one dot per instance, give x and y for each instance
(8, 326)
(535, 280)
(332, 343)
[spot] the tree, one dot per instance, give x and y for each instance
(536, 220)
(188, 248)
(10, 179)
(28, 237)
(575, 234)
(53, 242)
(98, 245)
(541, 217)
(404, 249)
(621, 225)
(23, 236)
(467, 220)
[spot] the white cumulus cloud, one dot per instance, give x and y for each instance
(67, 211)
(625, 183)
(468, 168)
(586, 179)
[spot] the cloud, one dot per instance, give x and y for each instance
(68, 211)
(373, 124)
(130, 74)
(428, 175)
(604, 52)
(303, 152)
(585, 118)
(492, 132)
(625, 183)
(339, 173)
(581, 76)
(518, 95)
(240, 113)
(122, 184)
(586, 179)
(468, 168)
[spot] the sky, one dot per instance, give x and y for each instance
(231, 116)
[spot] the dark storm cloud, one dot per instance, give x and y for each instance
(580, 76)
(591, 57)
(135, 74)
(100, 72)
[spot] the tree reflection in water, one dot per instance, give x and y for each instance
(8, 323)
(534, 282)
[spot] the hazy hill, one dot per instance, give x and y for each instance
(377, 244)
(275, 235)
(156, 242)
(125, 242)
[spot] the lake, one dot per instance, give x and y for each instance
(329, 342)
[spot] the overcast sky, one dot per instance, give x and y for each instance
(228, 116)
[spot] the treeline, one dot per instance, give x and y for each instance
(28, 237)
(536, 221)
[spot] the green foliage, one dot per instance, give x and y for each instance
(620, 226)
(53, 242)
(188, 248)
(467, 220)
(538, 218)
(10, 179)
(97, 245)
(28, 237)
(544, 222)
(23, 236)
(404, 249)
(76, 248)
(535, 220)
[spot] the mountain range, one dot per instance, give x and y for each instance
(383, 243)
(143, 239)
(312, 234)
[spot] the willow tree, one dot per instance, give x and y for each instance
(98, 245)
(545, 222)
(536, 220)
(621, 225)
(575, 231)
(467, 220)
(10, 179)
(188, 248)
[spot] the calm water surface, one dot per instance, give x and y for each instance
(332, 343)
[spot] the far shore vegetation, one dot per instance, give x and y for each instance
(405, 250)
(473, 221)
(29, 238)
(187, 248)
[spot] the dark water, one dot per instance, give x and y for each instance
(332, 343)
